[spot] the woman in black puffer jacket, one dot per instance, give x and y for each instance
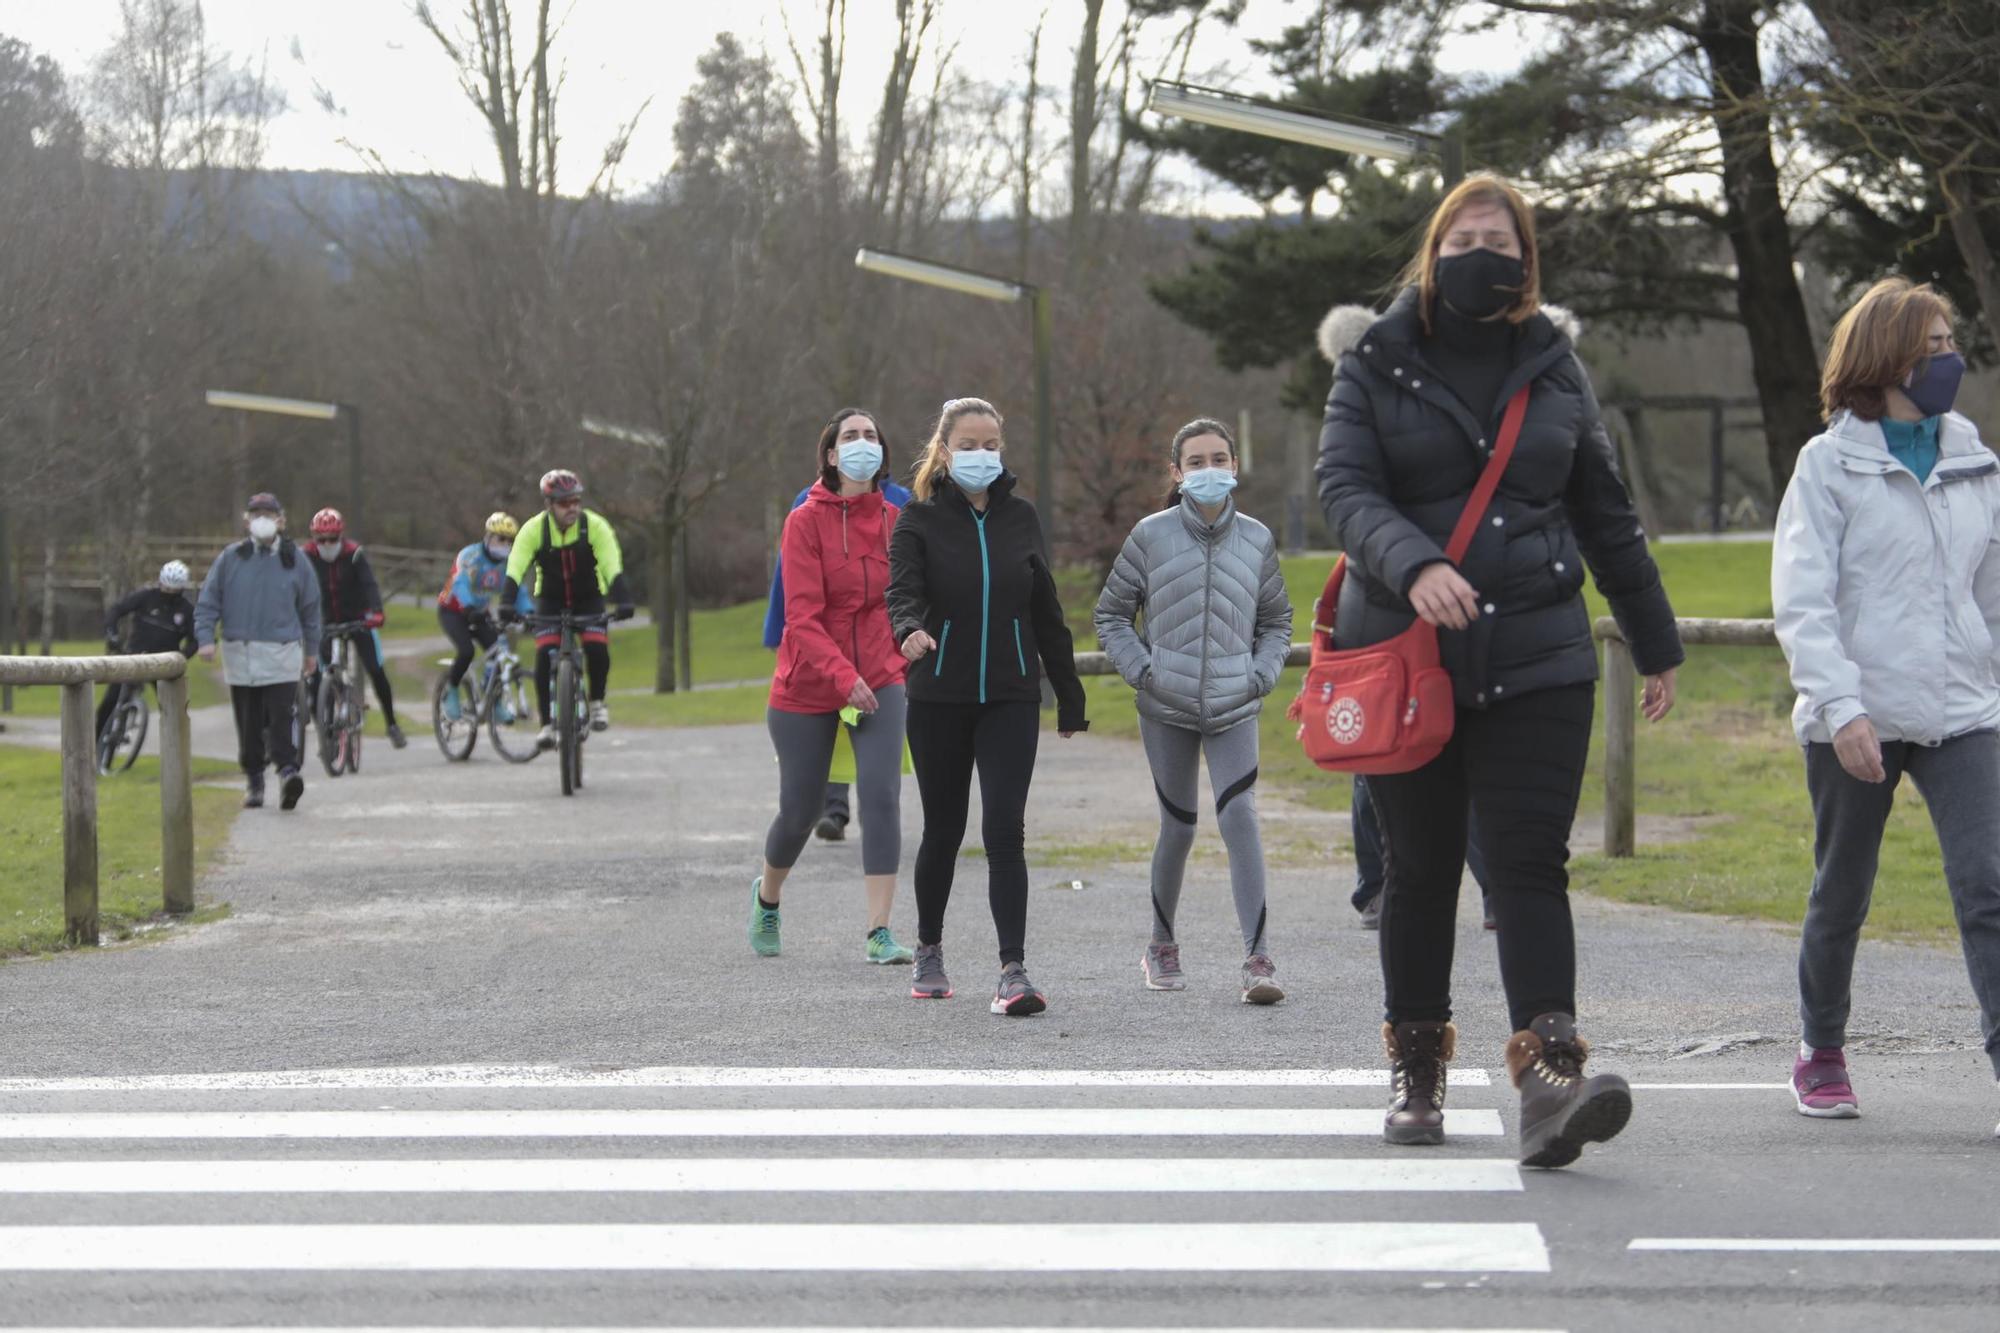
(1413, 417)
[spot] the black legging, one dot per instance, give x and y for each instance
(463, 630)
(947, 742)
(596, 670)
(363, 643)
(1519, 765)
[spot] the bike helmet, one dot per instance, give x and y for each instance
(503, 525)
(561, 484)
(173, 576)
(328, 523)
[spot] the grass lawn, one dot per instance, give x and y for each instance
(128, 846)
(205, 685)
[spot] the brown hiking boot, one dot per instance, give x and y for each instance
(1418, 1053)
(1561, 1110)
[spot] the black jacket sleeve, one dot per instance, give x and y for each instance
(1354, 489)
(1054, 643)
(127, 605)
(364, 574)
(1614, 545)
(908, 595)
(620, 592)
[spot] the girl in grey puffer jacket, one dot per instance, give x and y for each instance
(1218, 625)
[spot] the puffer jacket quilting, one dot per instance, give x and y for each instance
(1886, 590)
(1218, 622)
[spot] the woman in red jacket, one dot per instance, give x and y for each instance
(838, 663)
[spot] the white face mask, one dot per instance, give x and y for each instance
(328, 550)
(498, 551)
(263, 527)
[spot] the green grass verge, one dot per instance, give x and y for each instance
(128, 846)
(205, 687)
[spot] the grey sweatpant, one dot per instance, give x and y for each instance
(1960, 782)
(804, 742)
(1175, 756)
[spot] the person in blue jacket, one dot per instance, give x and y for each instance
(833, 822)
(464, 602)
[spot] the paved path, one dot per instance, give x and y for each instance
(421, 916)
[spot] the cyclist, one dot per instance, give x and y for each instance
(348, 592)
(464, 604)
(162, 622)
(576, 563)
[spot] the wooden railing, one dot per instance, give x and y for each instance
(77, 675)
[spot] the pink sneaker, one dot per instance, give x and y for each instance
(1819, 1084)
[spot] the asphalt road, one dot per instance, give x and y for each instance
(615, 1159)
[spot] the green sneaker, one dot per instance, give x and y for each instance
(882, 948)
(763, 921)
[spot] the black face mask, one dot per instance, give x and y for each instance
(1479, 284)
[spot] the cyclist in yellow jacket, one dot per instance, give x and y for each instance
(568, 557)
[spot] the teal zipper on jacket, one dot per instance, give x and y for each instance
(944, 637)
(985, 601)
(1019, 656)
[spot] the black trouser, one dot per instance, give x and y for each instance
(1518, 768)
(596, 669)
(947, 742)
(267, 726)
(836, 800)
(109, 704)
(364, 644)
(463, 630)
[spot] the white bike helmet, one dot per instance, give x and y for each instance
(173, 576)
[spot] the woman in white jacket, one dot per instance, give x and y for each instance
(1885, 576)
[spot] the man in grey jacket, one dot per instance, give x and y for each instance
(262, 598)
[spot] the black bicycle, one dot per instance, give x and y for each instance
(572, 703)
(124, 733)
(340, 710)
(497, 695)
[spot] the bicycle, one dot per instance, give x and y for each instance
(340, 710)
(499, 692)
(124, 733)
(572, 706)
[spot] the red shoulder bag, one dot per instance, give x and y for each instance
(1387, 708)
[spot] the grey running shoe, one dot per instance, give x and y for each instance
(1017, 996)
(927, 978)
(1162, 967)
(1260, 980)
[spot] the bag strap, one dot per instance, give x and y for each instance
(1489, 480)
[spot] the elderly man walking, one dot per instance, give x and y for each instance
(262, 600)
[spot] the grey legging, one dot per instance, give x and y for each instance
(805, 755)
(1175, 755)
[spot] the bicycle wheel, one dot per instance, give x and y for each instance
(356, 714)
(510, 719)
(568, 747)
(131, 721)
(326, 722)
(455, 737)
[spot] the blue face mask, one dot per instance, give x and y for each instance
(860, 460)
(975, 469)
(1208, 485)
(1933, 385)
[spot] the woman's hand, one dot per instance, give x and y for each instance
(1443, 598)
(1859, 750)
(862, 697)
(1658, 699)
(917, 644)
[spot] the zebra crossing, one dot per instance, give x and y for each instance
(706, 1173)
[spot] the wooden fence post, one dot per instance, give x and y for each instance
(176, 798)
(1621, 719)
(79, 800)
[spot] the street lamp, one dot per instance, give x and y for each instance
(969, 283)
(676, 668)
(1249, 115)
(302, 407)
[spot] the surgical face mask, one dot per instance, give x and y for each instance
(1480, 283)
(263, 527)
(975, 469)
(1933, 385)
(498, 551)
(1208, 485)
(860, 460)
(328, 550)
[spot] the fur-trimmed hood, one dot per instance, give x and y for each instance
(1344, 324)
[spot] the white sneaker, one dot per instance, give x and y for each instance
(600, 717)
(545, 739)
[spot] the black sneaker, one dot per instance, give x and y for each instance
(293, 788)
(1016, 996)
(253, 793)
(831, 828)
(396, 737)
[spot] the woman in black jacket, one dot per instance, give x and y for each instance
(1412, 419)
(974, 609)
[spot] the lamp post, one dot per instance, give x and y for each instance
(677, 667)
(967, 282)
(1249, 115)
(302, 407)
